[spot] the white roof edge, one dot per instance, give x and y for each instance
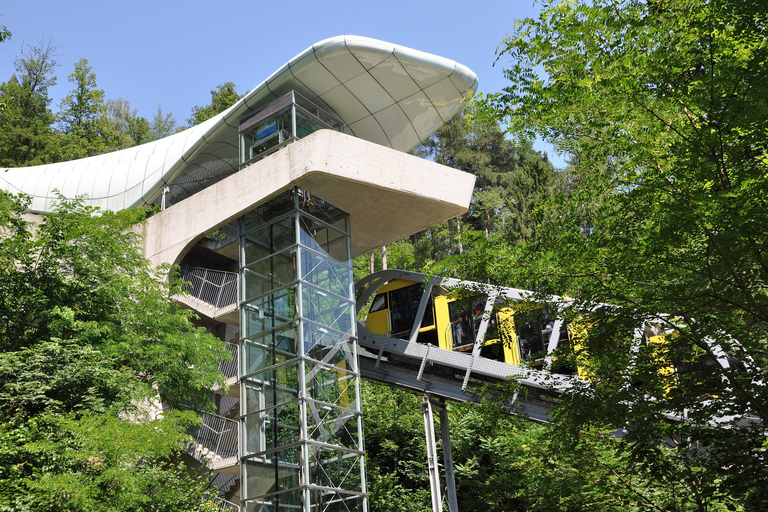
(171, 152)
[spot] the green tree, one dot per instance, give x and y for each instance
(162, 125)
(90, 344)
(506, 463)
(663, 105)
(223, 97)
(396, 453)
(26, 136)
(5, 34)
(512, 180)
(83, 115)
(123, 127)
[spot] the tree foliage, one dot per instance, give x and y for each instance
(223, 97)
(86, 123)
(26, 135)
(512, 178)
(90, 344)
(663, 106)
(162, 125)
(396, 453)
(83, 113)
(5, 34)
(505, 463)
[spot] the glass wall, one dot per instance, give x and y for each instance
(301, 435)
(285, 120)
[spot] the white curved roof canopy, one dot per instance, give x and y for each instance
(383, 93)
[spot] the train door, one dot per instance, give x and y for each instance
(378, 315)
(459, 319)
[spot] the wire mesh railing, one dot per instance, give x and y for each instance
(224, 482)
(229, 368)
(226, 506)
(215, 439)
(215, 288)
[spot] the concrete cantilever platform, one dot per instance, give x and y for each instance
(389, 194)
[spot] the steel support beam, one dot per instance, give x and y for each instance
(434, 471)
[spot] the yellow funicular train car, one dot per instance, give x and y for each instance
(504, 324)
(497, 323)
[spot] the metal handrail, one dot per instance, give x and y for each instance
(229, 368)
(217, 435)
(223, 482)
(216, 288)
(226, 505)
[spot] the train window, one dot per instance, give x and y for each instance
(379, 303)
(493, 351)
(564, 358)
(461, 324)
(466, 316)
(533, 330)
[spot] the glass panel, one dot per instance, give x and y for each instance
(265, 477)
(326, 273)
(531, 324)
(273, 387)
(280, 502)
(328, 501)
(267, 134)
(335, 468)
(270, 429)
(400, 312)
(270, 273)
(269, 211)
(316, 111)
(326, 309)
(269, 311)
(269, 349)
(306, 124)
(466, 315)
(324, 239)
(331, 384)
(325, 212)
(379, 303)
(325, 345)
(334, 426)
(267, 240)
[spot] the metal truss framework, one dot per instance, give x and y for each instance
(301, 426)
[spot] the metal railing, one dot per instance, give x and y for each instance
(229, 368)
(215, 439)
(226, 506)
(215, 288)
(224, 482)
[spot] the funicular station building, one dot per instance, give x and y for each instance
(263, 208)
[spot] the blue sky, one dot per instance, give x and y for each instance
(172, 53)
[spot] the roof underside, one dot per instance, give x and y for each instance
(383, 93)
